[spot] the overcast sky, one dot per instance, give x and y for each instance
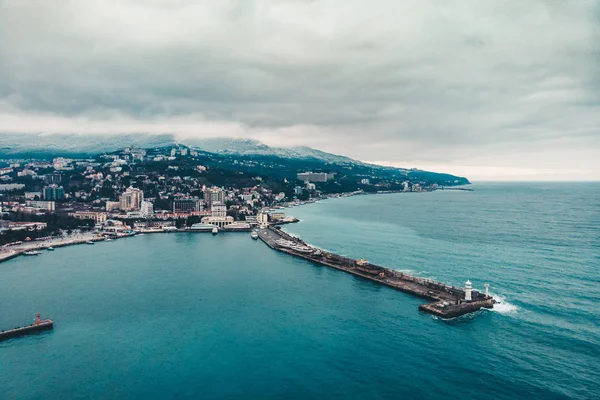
(506, 89)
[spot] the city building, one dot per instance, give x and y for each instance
(262, 218)
(53, 192)
(8, 187)
(98, 217)
(314, 176)
(62, 163)
(27, 172)
(43, 205)
(33, 195)
(218, 210)
(147, 209)
(187, 205)
(276, 216)
(280, 196)
(20, 226)
(113, 226)
(112, 205)
(218, 216)
(53, 179)
(131, 199)
(213, 195)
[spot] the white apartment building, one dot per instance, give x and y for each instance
(147, 209)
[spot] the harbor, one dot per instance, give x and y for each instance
(445, 301)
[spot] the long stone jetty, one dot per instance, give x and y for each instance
(445, 301)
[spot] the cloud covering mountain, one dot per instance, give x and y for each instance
(508, 84)
(51, 145)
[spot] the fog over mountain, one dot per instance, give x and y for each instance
(490, 90)
(51, 145)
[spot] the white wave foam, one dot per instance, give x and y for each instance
(502, 306)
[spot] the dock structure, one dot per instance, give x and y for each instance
(38, 326)
(446, 301)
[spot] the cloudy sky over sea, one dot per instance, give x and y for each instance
(487, 89)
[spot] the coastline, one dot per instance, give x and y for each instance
(8, 253)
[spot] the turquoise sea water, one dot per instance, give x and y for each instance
(187, 316)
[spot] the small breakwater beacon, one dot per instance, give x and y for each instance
(37, 326)
(468, 290)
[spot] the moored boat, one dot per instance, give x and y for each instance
(254, 235)
(50, 248)
(32, 253)
(215, 230)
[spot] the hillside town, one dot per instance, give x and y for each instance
(159, 189)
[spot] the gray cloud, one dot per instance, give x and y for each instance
(403, 82)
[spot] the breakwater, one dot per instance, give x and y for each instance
(446, 301)
(38, 326)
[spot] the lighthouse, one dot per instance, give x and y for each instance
(487, 290)
(468, 289)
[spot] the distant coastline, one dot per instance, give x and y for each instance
(10, 252)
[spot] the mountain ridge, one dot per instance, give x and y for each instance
(78, 145)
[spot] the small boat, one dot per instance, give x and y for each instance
(108, 240)
(32, 253)
(50, 248)
(254, 235)
(215, 230)
(89, 242)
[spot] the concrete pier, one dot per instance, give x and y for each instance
(38, 326)
(446, 301)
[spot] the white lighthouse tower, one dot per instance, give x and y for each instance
(487, 290)
(468, 289)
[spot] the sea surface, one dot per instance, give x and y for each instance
(196, 316)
